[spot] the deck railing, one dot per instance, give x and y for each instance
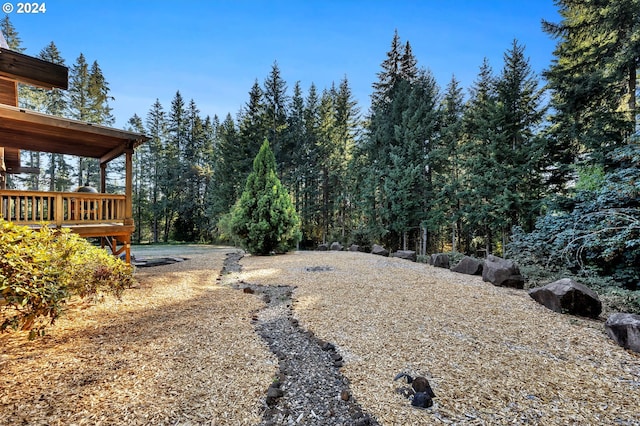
(61, 208)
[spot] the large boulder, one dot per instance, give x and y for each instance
(355, 247)
(502, 272)
(336, 246)
(323, 247)
(568, 296)
(439, 260)
(624, 329)
(405, 254)
(379, 250)
(469, 265)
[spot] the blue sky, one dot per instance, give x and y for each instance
(213, 51)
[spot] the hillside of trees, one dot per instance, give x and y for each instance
(544, 169)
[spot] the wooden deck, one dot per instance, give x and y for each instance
(87, 214)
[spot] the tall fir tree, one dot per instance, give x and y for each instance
(141, 187)
(447, 159)
(483, 184)
(172, 172)
(156, 129)
(520, 99)
(275, 108)
(593, 79)
(58, 173)
(11, 35)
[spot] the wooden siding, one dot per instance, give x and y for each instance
(8, 92)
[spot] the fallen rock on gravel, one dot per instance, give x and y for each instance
(568, 296)
(502, 272)
(624, 329)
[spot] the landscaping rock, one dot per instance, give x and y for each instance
(379, 250)
(439, 260)
(336, 246)
(355, 247)
(323, 247)
(502, 272)
(624, 329)
(568, 296)
(469, 265)
(405, 254)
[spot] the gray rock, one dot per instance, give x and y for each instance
(379, 250)
(355, 247)
(323, 247)
(405, 254)
(568, 296)
(273, 393)
(439, 260)
(469, 265)
(624, 329)
(502, 272)
(336, 246)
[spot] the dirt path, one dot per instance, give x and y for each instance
(309, 389)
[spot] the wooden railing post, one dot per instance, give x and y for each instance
(58, 211)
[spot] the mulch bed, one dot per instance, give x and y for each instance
(181, 349)
(492, 355)
(178, 349)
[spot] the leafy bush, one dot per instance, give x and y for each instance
(40, 270)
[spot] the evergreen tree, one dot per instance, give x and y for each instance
(253, 126)
(275, 109)
(311, 206)
(172, 172)
(228, 163)
(390, 73)
(79, 107)
(347, 123)
(593, 78)
(11, 35)
(390, 198)
(190, 224)
(156, 129)
(264, 218)
(326, 157)
(483, 136)
(447, 159)
(98, 97)
(292, 177)
(520, 101)
(141, 184)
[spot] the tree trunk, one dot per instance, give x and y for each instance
(632, 97)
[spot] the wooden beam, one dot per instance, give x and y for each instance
(29, 130)
(34, 71)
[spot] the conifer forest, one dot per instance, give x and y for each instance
(544, 169)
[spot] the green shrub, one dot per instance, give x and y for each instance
(40, 270)
(264, 219)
